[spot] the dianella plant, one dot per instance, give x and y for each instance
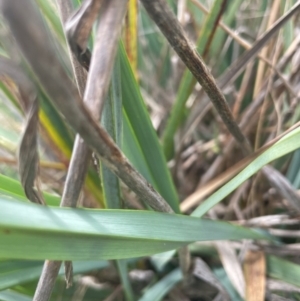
(149, 150)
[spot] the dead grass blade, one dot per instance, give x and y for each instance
(78, 29)
(283, 186)
(232, 266)
(109, 30)
(96, 89)
(255, 275)
(162, 15)
(36, 47)
(203, 272)
(28, 155)
(28, 151)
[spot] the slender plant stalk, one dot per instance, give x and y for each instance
(47, 280)
(164, 18)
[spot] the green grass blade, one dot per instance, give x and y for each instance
(14, 189)
(16, 272)
(188, 81)
(149, 149)
(55, 126)
(160, 260)
(122, 268)
(112, 122)
(293, 169)
(9, 295)
(285, 145)
(162, 287)
(226, 283)
(283, 270)
(133, 151)
(30, 231)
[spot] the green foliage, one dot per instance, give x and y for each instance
(138, 112)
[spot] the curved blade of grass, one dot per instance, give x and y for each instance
(285, 145)
(188, 81)
(14, 188)
(15, 272)
(81, 234)
(162, 287)
(283, 270)
(149, 155)
(60, 136)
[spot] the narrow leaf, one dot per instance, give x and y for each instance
(162, 287)
(285, 145)
(15, 272)
(140, 142)
(13, 188)
(78, 234)
(284, 270)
